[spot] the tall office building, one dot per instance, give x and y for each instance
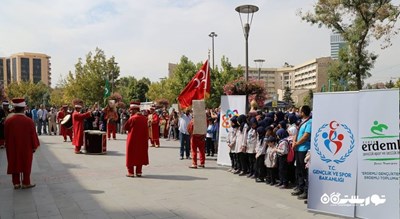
(171, 69)
(337, 42)
(25, 66)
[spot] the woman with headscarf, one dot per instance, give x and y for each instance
(252, 139)
(231, 141)
(260, 170)
(279, 116)
(240, 148)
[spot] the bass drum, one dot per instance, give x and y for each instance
(67, 121)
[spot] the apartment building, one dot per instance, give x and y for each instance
(25, 66)
(300, 78)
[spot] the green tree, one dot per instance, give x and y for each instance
(156, 91)
(220, 79)
(34, 94)
(57, 97)
(287, 96)
(125, 86)
(2, 93)
(161, 90)
(389, 84)
(308, 100)
(183, 73)
(88, 80)
(339, 73)
(170, 88)
(357, 22)
(132, 89)
(397, 83)
(142, 87)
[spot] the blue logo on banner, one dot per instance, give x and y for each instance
(338, 141)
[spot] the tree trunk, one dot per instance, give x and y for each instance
(358, 78)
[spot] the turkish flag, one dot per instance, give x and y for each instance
(197, 89)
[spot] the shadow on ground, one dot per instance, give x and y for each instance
(174, 177)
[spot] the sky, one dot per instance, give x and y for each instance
(144, 36)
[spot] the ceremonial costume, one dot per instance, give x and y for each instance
(154, 124)
(137, 141)
(112, 117)
(197, 141)
(21, 142)
(166, 127)
(77, 126)
(63, 130)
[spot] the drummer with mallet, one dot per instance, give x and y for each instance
(62, 117)
(77, 124)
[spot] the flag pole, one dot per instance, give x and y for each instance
(207, 74)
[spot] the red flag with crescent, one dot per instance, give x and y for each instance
(197, 89)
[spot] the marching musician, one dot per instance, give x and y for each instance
(64, 130)
(111, 116)
(137, 142)
(154, 127)
(96, 117)
(21, 142)
(77, 124)
(197, 144)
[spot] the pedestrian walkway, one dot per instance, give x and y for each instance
(94, 186)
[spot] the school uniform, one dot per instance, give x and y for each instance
(271, 164)
(260, 169)
(282, 151)
(252, 140)
(231, 141)
(241, 142)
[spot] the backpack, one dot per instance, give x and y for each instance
(290, 155)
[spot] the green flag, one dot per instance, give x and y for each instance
(107, 92)
(323, 88)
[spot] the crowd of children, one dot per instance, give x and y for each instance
(261, 147)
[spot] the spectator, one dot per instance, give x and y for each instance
(301, 145)
(184, 136)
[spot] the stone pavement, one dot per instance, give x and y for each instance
(95, 186)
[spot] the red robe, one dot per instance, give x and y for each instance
(137, 143)
(112, 118)
(197, 142)
(78, 128)
(155, 130)
(166, 127)
(21, 140)
(63, 131)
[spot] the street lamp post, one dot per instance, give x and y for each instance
(259, 63)
(212, 35)
(246, 10)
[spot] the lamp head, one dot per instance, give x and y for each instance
(246, 10)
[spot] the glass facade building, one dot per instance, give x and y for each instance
(33, 67)
(337, 42)
(37, 69)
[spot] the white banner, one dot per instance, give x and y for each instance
(230, 105)
(333, 168)
(199, 117)
(378, 155)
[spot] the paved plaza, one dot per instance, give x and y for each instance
(95, 186)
